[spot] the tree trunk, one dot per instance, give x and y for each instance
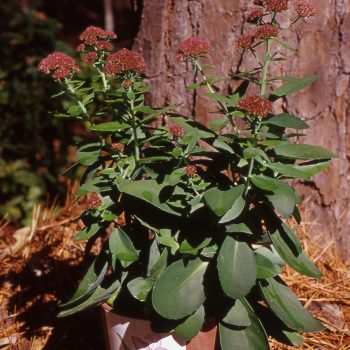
(323, 50)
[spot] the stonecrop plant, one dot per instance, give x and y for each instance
(192, 222)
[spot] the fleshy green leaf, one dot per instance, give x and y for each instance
(87, 232)
(140, 287)
(92, 279)
(110, 127)
(192, 325)
(122, 247)
(293, 85)
(299, 263)
(302, 151)
(286, 120)
(237, 315)
(89, 153)
(183, 285)
(286, 306)
(99, 296)
(236, 267)
(252, 337)
(265, 267)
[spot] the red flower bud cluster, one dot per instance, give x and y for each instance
(124, 61)
(59, 64)
(176, 130)
(245, 41)
(266, 31)
(305, 8)
(276, 5)
(193, 47)
(255, 16)
(255, 106)
(90, 57)
(191, 170)
(93, 202)
(92, 35)
(118, 146)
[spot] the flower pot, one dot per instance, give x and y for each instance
(127, 333)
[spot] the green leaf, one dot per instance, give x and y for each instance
(100, 295)
(283, 200)
(293, 85)
(89, 153)
(284, 44)
(218, 124)
(267, 183)
(312, 169)
(110, 127)
(183, 285)
(147, 190)
(299, 263)
(217, 97)
(92, 279)
(286, 120)
(265, 267)
(237, 315)
(159, 266)
(252, 337)
(192, 325)
(170, 242)
(236, 267)
(140, 287)
(220, 202)
(122, 247)
(74, 111)
(87, 232)
(286, 306)
(302, 151)
(238, 228)
(187, 248)
(287, 170)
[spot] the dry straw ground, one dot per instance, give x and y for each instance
(41, 268)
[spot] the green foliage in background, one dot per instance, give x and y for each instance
(29, 157)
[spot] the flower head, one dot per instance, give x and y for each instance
(266, 31)
(104, 45)
(59, 64)
(245, 41)
(276, 5)
(93, 202)
(176, 130)
(124, 61)
(255, 106)
(118, 146)
(305, 8)
(91, 35)
(255, 16)
(191, 170)
(90, 57)
(193, 47)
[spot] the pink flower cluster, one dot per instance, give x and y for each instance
(255, 16)
(93, 35)
(305, 8)
(124, 61)
(193, 47)
(191, 170)
(94, 202)
(59, 65)
(263, 32)
(176, 130)
(118, 146)
(255, 106)
(276, 5)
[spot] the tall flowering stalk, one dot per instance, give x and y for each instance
(192, 218)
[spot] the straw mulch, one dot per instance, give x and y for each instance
(44, 266)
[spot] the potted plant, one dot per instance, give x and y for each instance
(189, 220)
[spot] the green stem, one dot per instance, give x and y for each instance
(263, 85)
(104, 80)
(134, 130)
(80, 104)
(212, 91)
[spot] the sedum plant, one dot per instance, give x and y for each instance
(190, 220)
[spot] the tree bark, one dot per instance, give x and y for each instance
(109, 15)
(324, 50)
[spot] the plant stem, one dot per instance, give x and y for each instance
(263, 84)
(80, 104)
(134, 130)
(212, 91)
(104, 80)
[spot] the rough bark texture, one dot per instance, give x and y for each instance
(323, 50)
